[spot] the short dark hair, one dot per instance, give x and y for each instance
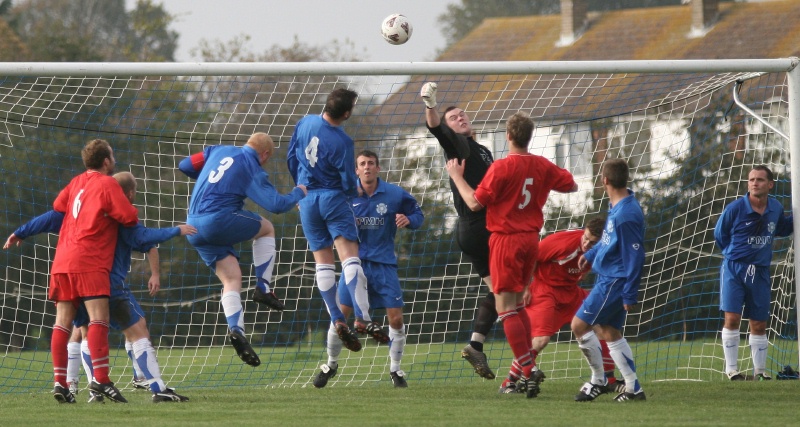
(520, 129)
(617, 173)
(339, 102)
(368, 153)
(447, 110)
(770, 176)
(595, 226)
(95, 152)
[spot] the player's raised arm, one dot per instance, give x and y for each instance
(428, 94)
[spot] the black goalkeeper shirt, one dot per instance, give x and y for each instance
(478, 158)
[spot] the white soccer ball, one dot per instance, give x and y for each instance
(396, 29)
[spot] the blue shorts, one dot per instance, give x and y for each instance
(326, 215)
(745, 285)
(125, 310)
(383, 287)
(604, 304)
(218, 232)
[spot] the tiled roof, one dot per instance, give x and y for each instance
(768, 29)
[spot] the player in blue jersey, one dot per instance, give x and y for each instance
(322, 157)
(226, 175)
(126, 314)
(745, 233)
(617, 261)
(381, 208)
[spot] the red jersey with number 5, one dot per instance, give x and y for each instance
(93, 205)
(515, 189)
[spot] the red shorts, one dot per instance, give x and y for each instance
(75, 286)
(511, 260)
(552, 307)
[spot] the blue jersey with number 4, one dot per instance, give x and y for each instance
(226, 176)
(322, 156)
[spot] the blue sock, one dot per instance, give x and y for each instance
(326, 283)
(261, 283)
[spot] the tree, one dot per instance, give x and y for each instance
(94, 30)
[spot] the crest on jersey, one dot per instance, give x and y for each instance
(771, 228)
(610, 227)
(381, 208)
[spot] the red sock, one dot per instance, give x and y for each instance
(58, 353)
(515, 372)
(519, 341)
(526, 321)
(608, 362)
(98, 348)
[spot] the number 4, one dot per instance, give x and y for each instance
(526, 193)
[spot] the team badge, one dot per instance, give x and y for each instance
(381, 208)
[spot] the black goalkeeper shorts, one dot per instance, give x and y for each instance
(473, 239)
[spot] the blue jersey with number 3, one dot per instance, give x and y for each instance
(321, 156)
(230, 174)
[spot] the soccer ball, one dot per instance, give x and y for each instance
(396, 29)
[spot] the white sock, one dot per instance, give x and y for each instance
(264, 253)
(334, 345)
(730, 347)
(232, 306)
(478, 337)
(590, 346)
(86, 360)
(146, 356)
(397, 344)
(351, 268)
(137, 372)
(73, 362)
(622, 354)
(758, 351)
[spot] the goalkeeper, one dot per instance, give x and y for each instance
(454, 132)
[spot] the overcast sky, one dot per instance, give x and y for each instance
(314, 22)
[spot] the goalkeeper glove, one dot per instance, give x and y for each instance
(428, 93)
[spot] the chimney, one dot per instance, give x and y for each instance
(704, 14)
(573, 20)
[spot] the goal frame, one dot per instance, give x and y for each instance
(787, 65)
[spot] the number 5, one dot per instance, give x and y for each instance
(526, 193)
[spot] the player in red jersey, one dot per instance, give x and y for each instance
(554, 295)
(94, 205)
(513, 192)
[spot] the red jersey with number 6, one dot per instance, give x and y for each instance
(515, 189)
(93, 205)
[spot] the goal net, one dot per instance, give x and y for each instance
(689, 145)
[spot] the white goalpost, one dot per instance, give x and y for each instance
(690, 129)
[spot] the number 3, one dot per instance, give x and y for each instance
(216, 175)
(526, 193)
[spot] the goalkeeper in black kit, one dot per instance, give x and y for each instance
(454, 132)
